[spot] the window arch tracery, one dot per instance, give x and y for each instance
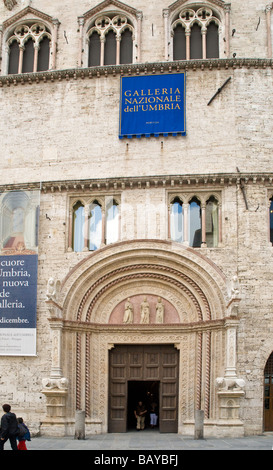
(110, 34)
(197, 30)
(29, 48)
(200, 27)
(29, 42)
(118, 49)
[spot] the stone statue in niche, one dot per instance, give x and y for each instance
(145, 311)
(128, 312)
(160, 309)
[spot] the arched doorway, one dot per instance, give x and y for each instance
(89, 321)
(268, 394)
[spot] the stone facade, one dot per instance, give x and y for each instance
(59, 132)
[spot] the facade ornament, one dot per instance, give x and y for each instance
(231, 384)
(53, 288)
(235, 288)
(160, 310)
(55, 383)
(128, 312)
(145, 312)
(9, 4)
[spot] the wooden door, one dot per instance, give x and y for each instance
(117, 416)
(268, 395)
(143, 363)
(169, 390)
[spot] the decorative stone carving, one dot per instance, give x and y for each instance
(55, 390)
(53, 288)
(145, 311)
(235, 288)
(160, 310)
(9, 4)
(128, 312)
(234, 384)
(54, 383)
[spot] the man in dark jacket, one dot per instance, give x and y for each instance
(9, 428)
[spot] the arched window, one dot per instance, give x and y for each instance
(271, 220)
(212, 38)
(110, 40)
(29, 48)
(28, 57)
(179, 43)
(126, 47)
(176, 221)
(195, 33)
(110, 48)
(95, 226)
(112, 222)
(78, 227)
(43, 56)
(196, 41)
(13, 57)
(212, 223)
(94, 49)
(195, 235)
(268, 394)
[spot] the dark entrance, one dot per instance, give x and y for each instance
(268, 395)
(148, 393)
(132, 371)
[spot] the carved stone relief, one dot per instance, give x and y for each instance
(10, 4)
(144, 309)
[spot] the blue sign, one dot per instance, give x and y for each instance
(18, 291)
(153, 105)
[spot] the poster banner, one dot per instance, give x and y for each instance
(19, 218)
(152, 105)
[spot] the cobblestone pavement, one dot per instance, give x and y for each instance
(149, 440)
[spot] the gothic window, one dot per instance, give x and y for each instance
(112, 222)
(95, 226)
(29, 48)
(195, 33)
(212, 225)
(93, 223)
(176, 220)
(78, 226)
(195, 235)
(195, 220)
(110, 41)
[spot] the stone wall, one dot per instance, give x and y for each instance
(59, 131)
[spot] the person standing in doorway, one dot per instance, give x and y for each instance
(140, 413)
(9, 428)
(153, 415)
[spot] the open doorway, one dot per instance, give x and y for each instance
(146, 391)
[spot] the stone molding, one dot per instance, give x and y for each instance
(134, 69)
(217, 180)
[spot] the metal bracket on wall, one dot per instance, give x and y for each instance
(219, 90)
